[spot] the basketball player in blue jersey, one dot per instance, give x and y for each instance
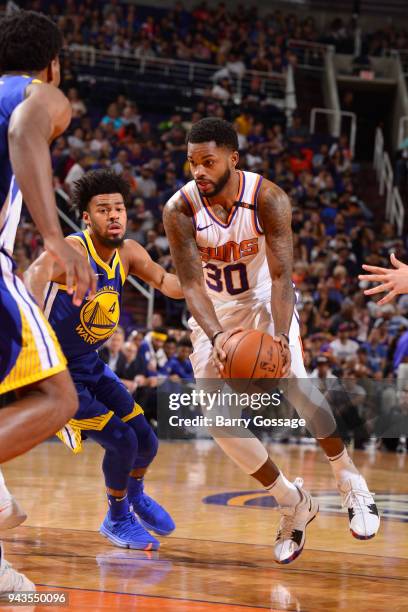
(107, 412)
(32, 113)
(231, 241)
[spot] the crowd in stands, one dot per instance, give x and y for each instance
(344, 334)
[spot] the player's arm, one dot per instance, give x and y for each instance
(275, 215)
(186, 257)
(393, 281)
(46, 268)
(41, 117)
(142, 265)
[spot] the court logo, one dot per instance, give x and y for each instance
(99, 317)
(392, 506)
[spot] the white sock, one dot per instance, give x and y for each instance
(4, 492)
(285, 492)
(342, 466)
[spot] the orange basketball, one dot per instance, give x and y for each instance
(252, 354)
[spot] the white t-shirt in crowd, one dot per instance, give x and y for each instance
(344, 350)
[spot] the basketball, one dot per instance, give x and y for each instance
(253, 354)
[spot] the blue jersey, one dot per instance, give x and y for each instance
(81, 330)
(12, 93)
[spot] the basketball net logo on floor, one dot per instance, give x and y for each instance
(392, 506)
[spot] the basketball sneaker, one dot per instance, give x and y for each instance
(151, 514)
(291, 535)
(128, 533)
(363, 514)
(11, 513)
(12, 581)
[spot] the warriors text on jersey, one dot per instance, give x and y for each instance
(29, 351)
(81, 330)
(232, 252)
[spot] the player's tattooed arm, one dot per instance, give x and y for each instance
(141, 264)
(179, 228)
(45, 269)
(275, 215)
(177, 219)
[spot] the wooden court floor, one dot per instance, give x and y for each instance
(220, 557)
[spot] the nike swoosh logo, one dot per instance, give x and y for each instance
(200, 229)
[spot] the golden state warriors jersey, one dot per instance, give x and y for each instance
(233, 251)
(12, 93)
(83, 329)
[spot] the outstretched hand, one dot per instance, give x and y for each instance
(393, 281)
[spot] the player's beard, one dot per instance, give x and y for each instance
(113, 242)
(218, 186)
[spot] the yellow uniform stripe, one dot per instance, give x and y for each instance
(71, 436)
(28, 368)
(135, 412)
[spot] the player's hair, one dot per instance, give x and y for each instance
(213, 129)
(29, 41)
(98, 182)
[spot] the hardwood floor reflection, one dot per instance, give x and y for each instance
(220, 556)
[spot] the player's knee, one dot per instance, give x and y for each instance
(148, 448)
(127, 447)
(125, 444)
(147, 441)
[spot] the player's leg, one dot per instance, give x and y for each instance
(11, 513)
(297, 507)
(311, 404)
(114, 393)
(31, 362)
(96, 421)
(37, 415)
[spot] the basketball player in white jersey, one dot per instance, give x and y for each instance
(231, 241)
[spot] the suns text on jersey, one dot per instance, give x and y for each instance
(230, 251)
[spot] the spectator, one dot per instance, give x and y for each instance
(343, 348)
(151, 350)
(77, 170)
(146, 185)
(179, 366)
(112, 352)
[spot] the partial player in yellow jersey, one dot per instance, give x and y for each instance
(32, 113)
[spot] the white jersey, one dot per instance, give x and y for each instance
(232, 252)
(10, 214)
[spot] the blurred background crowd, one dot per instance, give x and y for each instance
(335, 227)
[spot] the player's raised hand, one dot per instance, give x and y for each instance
(393, 281)
(79, 275)
(287, 357)
(218, 355)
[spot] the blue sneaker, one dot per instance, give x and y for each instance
(151, 514)
(128, 533)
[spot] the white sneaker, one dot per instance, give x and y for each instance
(291, 535)
(12, 581)
(362, 511)
(11, 513)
